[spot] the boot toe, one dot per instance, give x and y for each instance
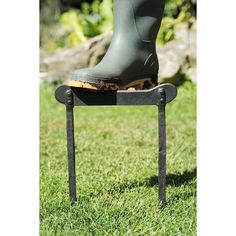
(83, 75)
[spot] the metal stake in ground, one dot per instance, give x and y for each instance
(162, 147)
(70, 145)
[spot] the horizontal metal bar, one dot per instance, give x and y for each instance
(120, 97)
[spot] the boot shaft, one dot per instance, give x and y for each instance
(142, 16)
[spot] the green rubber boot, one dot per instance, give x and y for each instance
(131, 59)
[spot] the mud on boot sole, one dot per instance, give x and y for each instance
(146, 83)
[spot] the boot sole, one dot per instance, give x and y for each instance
(146, 83)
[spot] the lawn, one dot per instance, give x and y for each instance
(116, 154)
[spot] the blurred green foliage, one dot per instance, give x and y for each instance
(176, 11)
(75, 26)
(91, 20)
(174, 7)
(166, 32)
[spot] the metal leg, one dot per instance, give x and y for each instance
(162, 155)
(162, 148)
(71, 148)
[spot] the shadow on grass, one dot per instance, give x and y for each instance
(172, 179)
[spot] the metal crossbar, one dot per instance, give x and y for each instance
(158, 96)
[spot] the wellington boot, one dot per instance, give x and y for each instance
(131, 59)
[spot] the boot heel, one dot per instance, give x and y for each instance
(151, 83)
(141, 84)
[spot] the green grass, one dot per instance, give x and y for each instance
(116, 153)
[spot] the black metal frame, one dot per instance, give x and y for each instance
(159, 96)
